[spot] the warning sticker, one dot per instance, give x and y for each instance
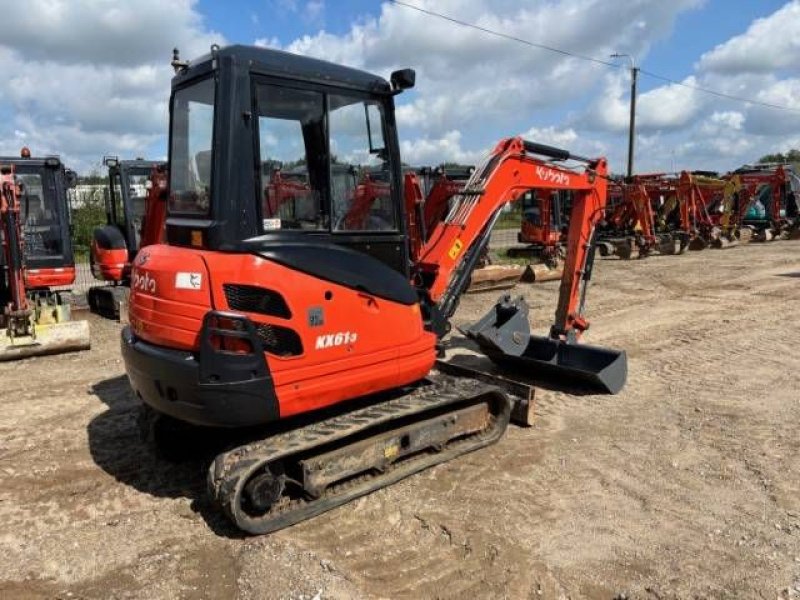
(455, 249)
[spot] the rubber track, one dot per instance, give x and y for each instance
(230, 470)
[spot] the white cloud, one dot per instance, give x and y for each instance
(769, 43)
(466, 78)
(552, 136)
(663, 108)
(88, 77)
(432, 152)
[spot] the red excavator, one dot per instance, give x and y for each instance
(631, 225)
(135, 215)
(320, 345)
(36, 257)
(445, 184)
(543, 230)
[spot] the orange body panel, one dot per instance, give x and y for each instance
(46, 278)
(109, 264)
(321, 375)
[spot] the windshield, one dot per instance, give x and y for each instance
(190, 151)
(322, 169)
(40, 212)
(137, 194)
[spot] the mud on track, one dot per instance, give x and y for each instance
(687, 484)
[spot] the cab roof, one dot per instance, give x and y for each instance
(269, 61)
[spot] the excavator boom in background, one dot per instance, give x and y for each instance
(317, 336)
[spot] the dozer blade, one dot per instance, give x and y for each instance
(55, 338)
(504, 336)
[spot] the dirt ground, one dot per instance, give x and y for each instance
(685, 485)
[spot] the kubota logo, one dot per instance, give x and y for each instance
(551, 175)
(142, 257)
(330, 340)
(144, 283)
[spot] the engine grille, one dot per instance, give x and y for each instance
(249, 298)
(278, 340)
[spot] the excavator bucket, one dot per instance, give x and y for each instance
(503, 334)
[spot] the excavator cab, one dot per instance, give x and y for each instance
(115, 244)
(333, 130)
(45, 220)
(130, 195)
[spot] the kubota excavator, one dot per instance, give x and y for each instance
(543, 232)
(135, 215)
(36, 257)
(321, 341)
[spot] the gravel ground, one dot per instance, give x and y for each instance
(685, 485)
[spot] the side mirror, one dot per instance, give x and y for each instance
(403, 79)
(72, 179)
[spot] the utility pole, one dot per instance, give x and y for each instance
(632, 125)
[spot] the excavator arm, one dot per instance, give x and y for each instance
(450, 254)
(16, 311)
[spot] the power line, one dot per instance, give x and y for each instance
(717, 93)
(506, 35)
(590, 58)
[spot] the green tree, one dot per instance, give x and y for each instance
(792, 156)
(87, 214)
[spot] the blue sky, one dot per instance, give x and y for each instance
(92, 78)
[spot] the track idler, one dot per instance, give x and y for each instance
(504, 336)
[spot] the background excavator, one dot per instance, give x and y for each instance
(36, 258)
(135, 215)
(772, 209)
(631, 226)
(318, 345)
(543, 229)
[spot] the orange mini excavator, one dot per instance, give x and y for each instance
(36, 257)
(318, 344)
(135, 214)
